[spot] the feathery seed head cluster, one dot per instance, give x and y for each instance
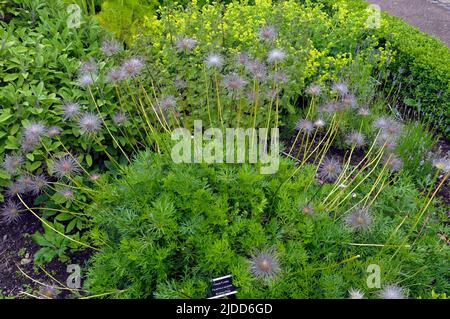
(264, 265)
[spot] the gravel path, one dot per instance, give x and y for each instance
(431, 16)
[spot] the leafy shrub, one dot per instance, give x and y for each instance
(165, 230)
(421, 63)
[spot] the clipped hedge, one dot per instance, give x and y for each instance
(421, 62)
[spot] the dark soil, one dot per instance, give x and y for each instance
(17, 250)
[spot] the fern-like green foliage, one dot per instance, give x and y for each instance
(165, 230)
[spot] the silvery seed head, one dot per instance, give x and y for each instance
(39, 183)
(256, 69)
(392, 292)
(233, 82)
(442, 164)
(363, 111)
(70, 110)
(110, 47)
(29, 143)
(314, 90)
(393, 162)
(11, 212)
(67, 193)
(264, 265)
(115, 75)
(89, 123)
(280, 77)
(355, 139)
(355, 294)
(180, 84)
(185, 44)
(88, 67)
(307, 209)
(319, 124)
(329, 170)
(358, 219)
(340, 88)
(267, 33)
(12, 163)
(242, 58)
(15, 189)
(305, 126)
(66, 166)
(86, 79)
(34, 130)
(132, 67)
(119, 118)
(214, 61)
(54, 131)
(276, 56)
(26, 184)
(167, 102)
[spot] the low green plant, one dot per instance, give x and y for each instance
(165, 230)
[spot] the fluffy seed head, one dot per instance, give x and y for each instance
(280, 77)
(34, 130)
(66, 193)
(363, 111)
(233, 82)
(393, 162)
(388, 126)
(39, 183)
(275, 56)
(48, 291)
(167, 102)
(256, 69)
(88, 67)
(185, 44)
(314, 90)
(387, 141)
(70, 110)
(115, 75)
(307, 209)
(358, 219)
(53, 131)
(349, 101)
(180, 84)
(14, 189)
(89, 123)
(329, 170)
(86, 79)
(442, 164)
(355, 139)
(214, 61)
(267, 33)
(305, 126)
(355, 294)
(12, 163)
(11, 212)
(264, 265)
(26, 184)
(340, 88)
(272, 94)
(120, 117)
(242, 58)
(109, 48)
(65, 166)
(29, 143)
(132, 67)
(392, 292)
(319, 124)
(329, 108)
